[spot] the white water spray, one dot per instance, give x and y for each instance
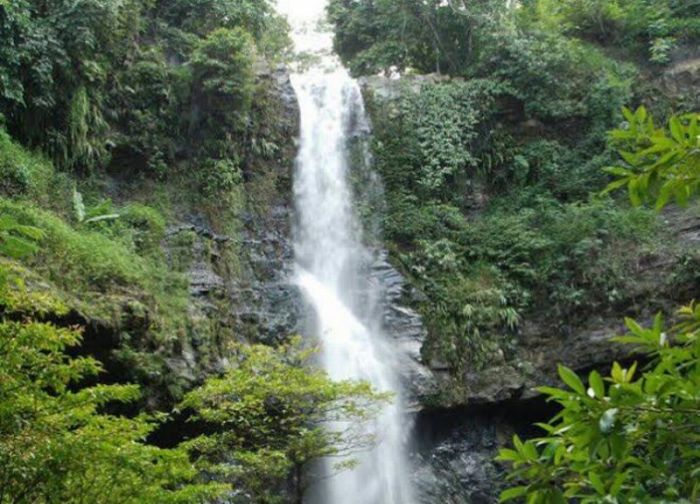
(332, 267)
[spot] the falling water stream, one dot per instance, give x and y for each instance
(332, 263)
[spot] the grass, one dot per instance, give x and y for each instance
(96, 269)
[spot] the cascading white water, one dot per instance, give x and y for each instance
(332, 264)
(331, 261)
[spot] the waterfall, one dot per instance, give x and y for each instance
(333, 265)
(332, 272)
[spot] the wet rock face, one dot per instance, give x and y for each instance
(453, 458)
(265, 306)
(403, 326)
(239, 283)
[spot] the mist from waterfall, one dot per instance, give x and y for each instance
(333, 266)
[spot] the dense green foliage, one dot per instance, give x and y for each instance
(484, 277)
(125, 84)
(492, 181)
(145, 97)
(627, 438)
(635, 439)
(453, 36)
(56, 441)
(118, 117)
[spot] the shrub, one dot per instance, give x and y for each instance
(222, 67)
(148, 227)
(23, 173)
(95, 266)
(659, 165)
(628, 437)
(219, 176)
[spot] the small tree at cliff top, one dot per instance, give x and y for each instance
(273, 415)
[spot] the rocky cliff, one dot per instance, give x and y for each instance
(462, 419)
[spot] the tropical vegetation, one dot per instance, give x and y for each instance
(132, 366)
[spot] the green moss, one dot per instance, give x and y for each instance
(148, 226)
(98, 271)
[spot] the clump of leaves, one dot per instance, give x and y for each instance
(99, 213)
(623, 438)
(659, 165)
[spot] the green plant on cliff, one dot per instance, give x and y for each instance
(649, 28)
(272, 415)
(433, 36)
(16, 240)
(627, 437)
(222, 66)
(102, 83)
(450, 36)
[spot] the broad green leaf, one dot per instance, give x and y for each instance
(596, 383)
(597, 483)
(630, 157)
(513, 493)
(508, 455)
(641, 114)
(102, 218)
(676, 129)
(78, 206)
(619, 171)
(571, 379)
(613, 186)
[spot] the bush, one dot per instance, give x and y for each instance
(219, 176)
(23, 173)
(222, 68)
(95, 269)
(148, 227)
(556, 77)
(628, 437)
(482, 276)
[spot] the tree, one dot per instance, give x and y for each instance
(204, 16)
(53, 78)
(658, 165)
(273, 415)
(432, 36)
(222, 68)
(627, 438)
